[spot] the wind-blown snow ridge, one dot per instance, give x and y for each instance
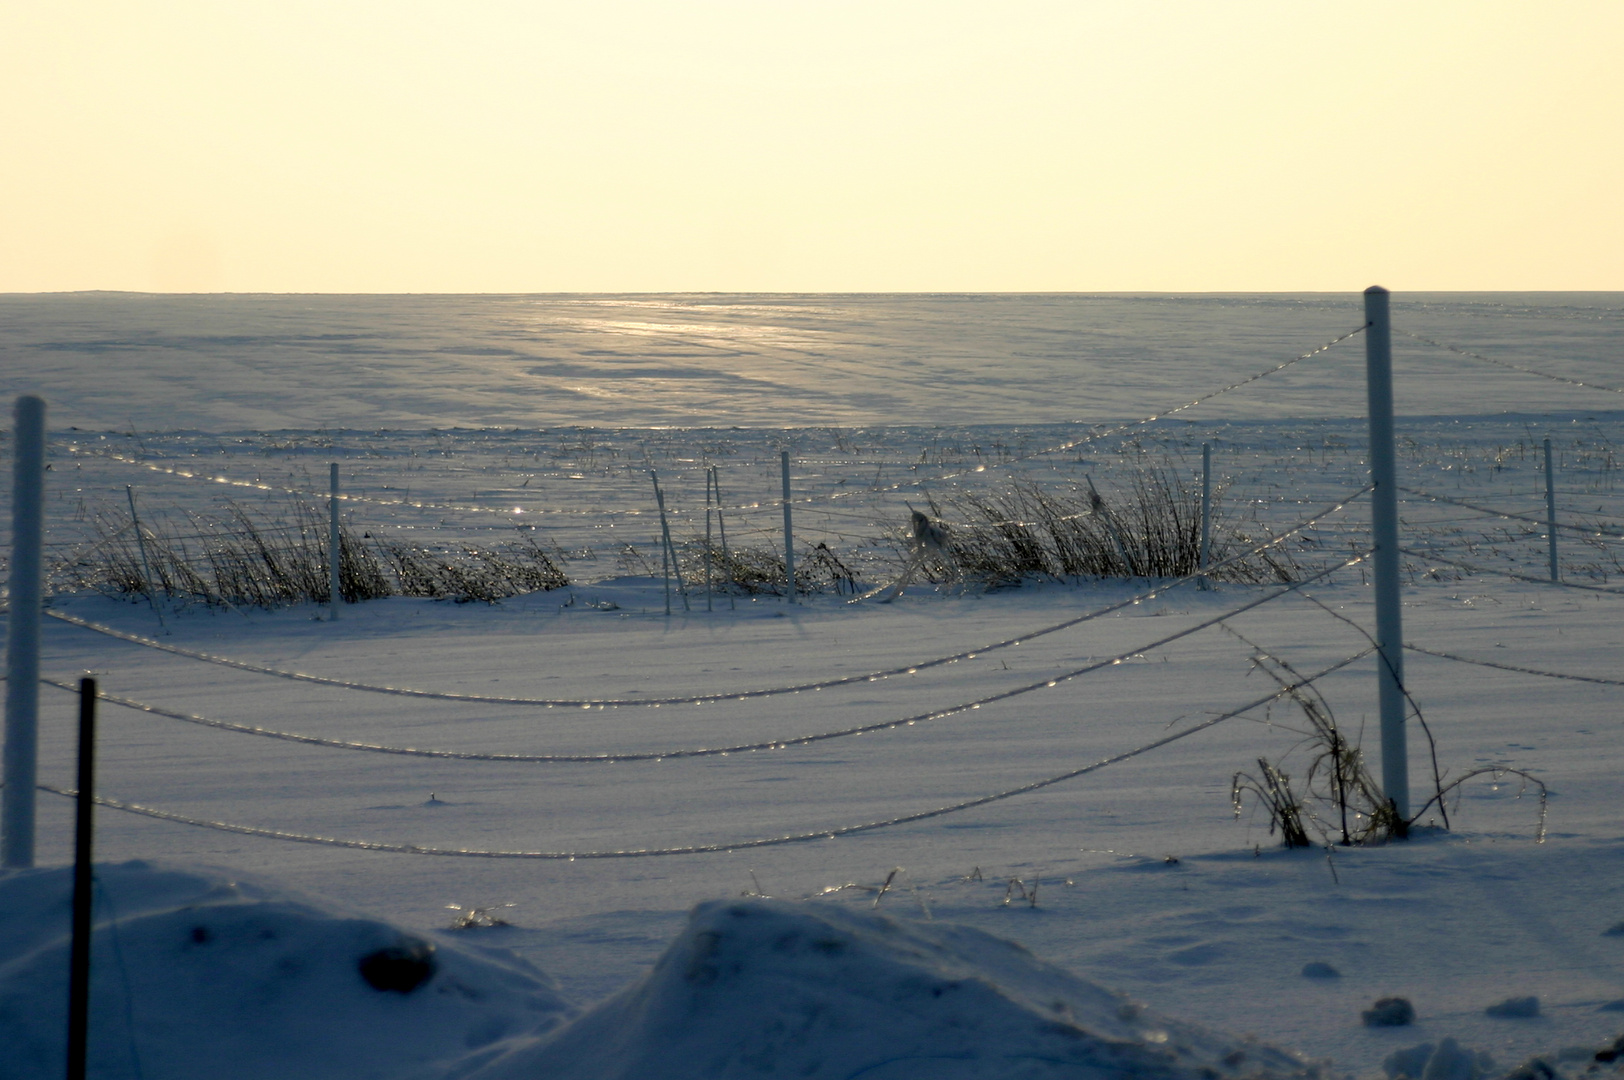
(763, 987)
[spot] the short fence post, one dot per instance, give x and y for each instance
(83, 885)
(789, 536)
(334, 552)
(1550, 510)
(1206, 512)
(1384, 534)
(708, 537)
(21, 763)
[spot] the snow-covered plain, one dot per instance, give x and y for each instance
(1145, 883)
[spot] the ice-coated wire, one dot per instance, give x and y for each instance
(710, 849)
(1592, 533)
(698, 699)
(1059, 448)
(1430, 556)
(1508, 364)
(1513, 667)
(720, 751)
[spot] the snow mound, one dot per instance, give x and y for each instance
(199, 973)
(776, 988)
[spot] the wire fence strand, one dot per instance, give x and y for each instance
(1429, 556)
(708, 849)
(1458, 351)
(1592, 533)
(1514, 667)
(722, 751)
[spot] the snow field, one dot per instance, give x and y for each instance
(1412, 919)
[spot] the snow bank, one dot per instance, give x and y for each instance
(774, 988)
(202, 973)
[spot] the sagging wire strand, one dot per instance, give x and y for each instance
(984, 467)
(1434, 557)
(706, 849)
(1458, 351)
(705, 699)
(1587, 532)
(1512, 667)
(1046, 683)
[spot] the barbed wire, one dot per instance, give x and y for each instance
(1514, 667)
(720, 751)
(983, 467)
(708, 849)
(1508, 364)
(1592, 533)
(1470, 569)
(703, 699)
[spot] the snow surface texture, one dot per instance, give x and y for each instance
(206, 974)
(771, 988)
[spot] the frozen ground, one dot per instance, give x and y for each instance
(1145, 883)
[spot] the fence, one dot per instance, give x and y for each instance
(844, 508)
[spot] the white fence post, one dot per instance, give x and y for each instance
(1384, 534)
(21, 762)
(334, 552)
(1550, 510)
(789, 536)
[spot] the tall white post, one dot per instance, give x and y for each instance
(789, 536)
(21, 763)
(1384, 534)
(1206, 511)
(1550, 510)
(334, 553)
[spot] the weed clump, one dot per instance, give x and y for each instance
(243, 560)
(1150, 529)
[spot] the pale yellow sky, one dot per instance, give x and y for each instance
(480, 146)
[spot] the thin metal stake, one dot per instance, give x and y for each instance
(665, 549)
(708, 538)
(1384, 533)
(1206, 511)
(335, 554)
(146, 568)
(670, 549)
(83, 835)
(789, 536)
(721, 527)
(1550, 510)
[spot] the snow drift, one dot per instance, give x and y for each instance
(773, 988)
(205, 974)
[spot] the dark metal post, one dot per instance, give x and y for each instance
(83, 832)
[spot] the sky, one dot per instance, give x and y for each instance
(786, 145)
